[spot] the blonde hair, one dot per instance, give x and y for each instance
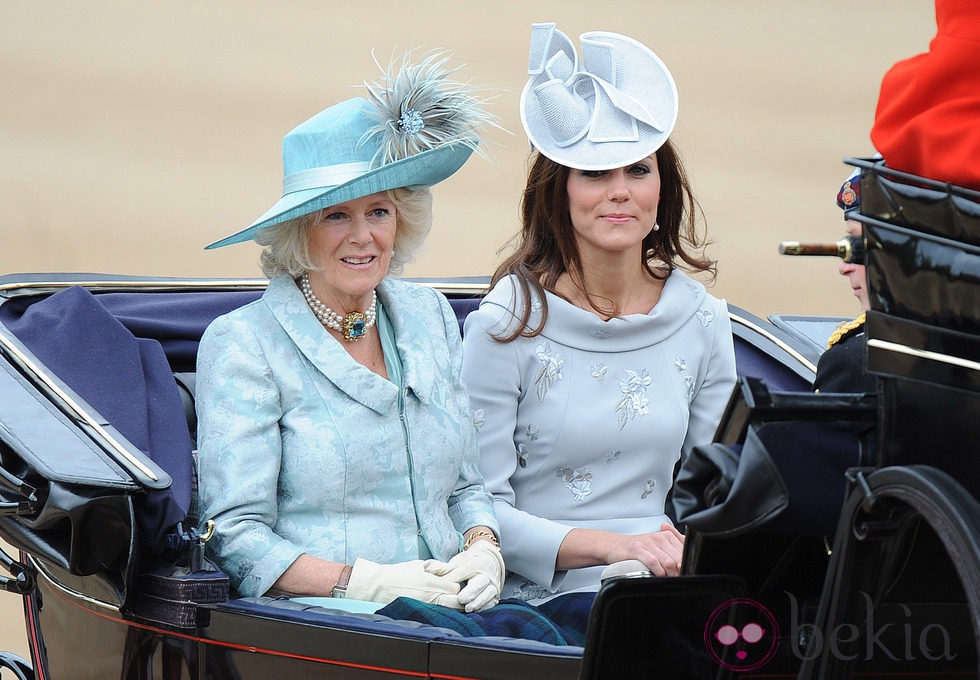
(287, 244)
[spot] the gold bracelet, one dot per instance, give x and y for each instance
(481, 533)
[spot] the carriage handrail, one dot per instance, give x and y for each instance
(740, 319)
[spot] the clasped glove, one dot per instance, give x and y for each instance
(385, 582)
(479, 570)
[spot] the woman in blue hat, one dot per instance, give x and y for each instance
(595, 363)
(336, 452)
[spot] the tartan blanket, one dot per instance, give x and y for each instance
(559, 621)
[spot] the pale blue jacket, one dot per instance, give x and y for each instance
(304, 450)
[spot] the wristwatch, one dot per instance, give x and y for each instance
(340, 590)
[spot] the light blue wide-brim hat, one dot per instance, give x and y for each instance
(614, 107)
(415, 131)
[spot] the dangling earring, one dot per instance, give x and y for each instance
(650, 253)
(656, 227)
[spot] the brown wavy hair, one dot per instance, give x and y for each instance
(546, 246)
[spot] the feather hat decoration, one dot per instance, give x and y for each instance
(416, 128)
(420, 108)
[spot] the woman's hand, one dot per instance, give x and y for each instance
(386, 582)
(661, 551)
(481, 568)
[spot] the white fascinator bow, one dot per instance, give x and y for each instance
(615, 107)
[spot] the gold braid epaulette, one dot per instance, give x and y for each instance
(844, 329)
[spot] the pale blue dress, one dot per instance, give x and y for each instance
(581, 425)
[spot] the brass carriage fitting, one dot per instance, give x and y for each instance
(850, 249)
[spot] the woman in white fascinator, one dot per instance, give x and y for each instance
(595, 363)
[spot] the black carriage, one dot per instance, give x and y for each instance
(829, 535)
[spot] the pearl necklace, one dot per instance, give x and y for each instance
(352, 325)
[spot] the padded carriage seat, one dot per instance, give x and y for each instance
(186, 386)
(462, 307)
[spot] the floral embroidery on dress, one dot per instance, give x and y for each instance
(681, 364)
(689, 382)
(613, 456)
(522, 455)
(550, 371)
(599, 371)
(479, 419)
(705, 316)
(532, 432)
(648, 488)
(578, 481)
(634, 402)
(529, 590)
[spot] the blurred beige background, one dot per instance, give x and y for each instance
(134, 133)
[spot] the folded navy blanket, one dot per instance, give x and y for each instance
(559, 621)
(128, 380)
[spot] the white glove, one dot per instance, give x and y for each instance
(481, 568)
(385, 582)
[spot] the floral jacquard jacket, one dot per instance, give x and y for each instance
(581, 425)
(304, 450)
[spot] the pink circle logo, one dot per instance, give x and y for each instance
(741, 635)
